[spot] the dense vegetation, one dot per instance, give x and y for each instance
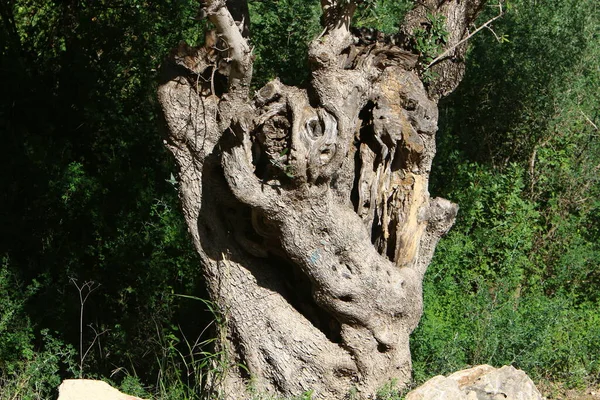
(89, 195)
(515, 280)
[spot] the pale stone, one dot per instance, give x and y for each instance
(88, 389)
(482, 382)
(505, 383)
(437, 388)
(469, 376)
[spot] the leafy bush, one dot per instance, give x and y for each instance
(281, 32)
(16, 332)
(485, 294)
(515, 281)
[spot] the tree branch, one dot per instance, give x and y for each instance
(458, 16)
(452, 48)
(238, 47)
(241, 14)
(337, 16)
(589, 120)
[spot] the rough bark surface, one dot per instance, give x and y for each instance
(310, 206)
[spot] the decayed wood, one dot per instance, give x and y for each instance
(310, 207)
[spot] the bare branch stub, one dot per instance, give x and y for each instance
(337, 14)
(239, 51)
(241, 14)
(336, 19)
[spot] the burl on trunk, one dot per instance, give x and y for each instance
(310, 206)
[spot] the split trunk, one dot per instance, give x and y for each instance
(309, 206)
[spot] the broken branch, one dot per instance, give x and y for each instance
(239, 48)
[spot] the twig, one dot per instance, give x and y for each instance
(97, 335)
(589, 120)
(449, 50)
(498, 38)
(90, 286)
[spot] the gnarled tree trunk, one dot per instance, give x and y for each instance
(310, 206)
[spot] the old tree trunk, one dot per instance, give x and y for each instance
(310, 206)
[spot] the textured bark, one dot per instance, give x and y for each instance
(310, 207)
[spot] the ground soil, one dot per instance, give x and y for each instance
(557, 391)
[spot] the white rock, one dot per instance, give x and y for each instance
(88, 389)
(483, 382)
(437, 388)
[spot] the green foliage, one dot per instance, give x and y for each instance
(485, 293)
(27, 372)
(384, 15)
(389, 391)
(429, 42)
(191, 369)
(37, 375)
(477, 275)
(515, 280)
(133, 387)
(281, 32)
(430, 39)
(86, 196)
(16, 332)
(517, 89)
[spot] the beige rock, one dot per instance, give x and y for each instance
(505, 383)
(483, 382)
(437, 388)
(469, 376)
(87, 389)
